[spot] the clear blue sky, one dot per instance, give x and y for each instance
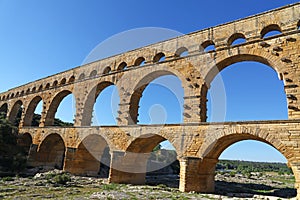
(40, 38)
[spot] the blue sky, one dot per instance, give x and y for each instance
(41, 38)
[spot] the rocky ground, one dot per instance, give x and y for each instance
(57, 185)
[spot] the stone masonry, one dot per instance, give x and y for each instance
(198, 144)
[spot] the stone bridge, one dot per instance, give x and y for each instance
(198, 144)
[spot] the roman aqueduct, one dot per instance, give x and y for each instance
(198, 143)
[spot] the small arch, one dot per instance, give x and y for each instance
(55, 83)
(107, 70)
(81, 76)
(270, 30)
(71, 79)
(22, 93)
(122, 66)
(51, 152)
(47, 86)
(28, 91)
(93, 74)
(63, 81)
(17, 94)
(33, 89)
(140, 61)
(12, 95)
(236, 38)
(40, 88)
(181, 52)
(207, 46)
(159, 57)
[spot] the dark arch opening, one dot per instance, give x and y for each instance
(140, 61)
(90, 102)
(16, 113)
(166, 109)
(122, 66)
(243, 92)
(63, 81)
(31, 118)
(81, 76)
(40, 88)
(93, 157)
(182, 52)
(3, 110)
(55, 105)
(236, 39)
(159, 57)
(71, 79)
(152, 161)
(55, 83)
(270, 30)
(107, 70)
(47, 86)
(51, 152)
(93, 74)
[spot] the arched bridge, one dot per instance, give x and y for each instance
(198, 144)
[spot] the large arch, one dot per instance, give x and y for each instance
(51, 152)
(92, 157)
(3, 110)
(15, 113)
(134, 164)
(218, 141)
(90, 101)
(29, 113)
(139, 89)
(49, 120)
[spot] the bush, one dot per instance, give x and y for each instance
(61, 178)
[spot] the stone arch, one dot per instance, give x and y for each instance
(139, 61)
(30, 110)
(55, 83)
(63, 81)
(47, 86)
(204, 46)
(90, 101)
(269, 28)
(223, 63)
(51, 151)
(93, 73)
(107, 70)
(134, 164)
(40, 88)
(25, 141)
(141, 86)
(81, 76)
(15, 111)
(71, 79)
(122, 66)
(234, 37)
(33, 89)
(49, 120)
(92, 157)
(158, 57)
(3, 110)
(180, 51)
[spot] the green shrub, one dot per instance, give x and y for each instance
(61, 178)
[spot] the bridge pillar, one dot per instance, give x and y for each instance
(129, 168)
(197, 175)
(296, 170)
(32, 156)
